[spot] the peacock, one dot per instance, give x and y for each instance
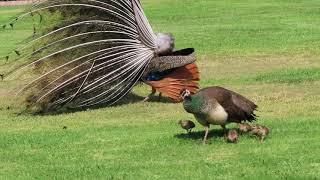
(86, 53)
(218, 106)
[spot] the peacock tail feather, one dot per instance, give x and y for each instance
(177, 79)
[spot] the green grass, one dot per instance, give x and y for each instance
(290, 76)
(277, 76)
(240, 27)
(268, 51)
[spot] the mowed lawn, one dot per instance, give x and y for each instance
(266, 50)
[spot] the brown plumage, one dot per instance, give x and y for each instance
(173, 83)
(232, 136)
(260, 131)
(187, 125)
(218, 106)
(237, 106)
(244, 127)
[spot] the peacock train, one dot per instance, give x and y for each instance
(86, 53)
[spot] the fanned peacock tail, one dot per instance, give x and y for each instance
(86, 53)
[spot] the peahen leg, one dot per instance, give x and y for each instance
(206, 134)
(153, 91)
(225, 131)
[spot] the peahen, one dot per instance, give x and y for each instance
(86, 53)
(218, 106)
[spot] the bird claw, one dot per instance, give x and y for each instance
(150, 95)
(160, 97)
(146, 99)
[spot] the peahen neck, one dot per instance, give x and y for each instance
(194, 104)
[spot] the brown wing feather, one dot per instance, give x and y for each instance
(243, 103)
(180, 78)
(248, 107)
(238, 107)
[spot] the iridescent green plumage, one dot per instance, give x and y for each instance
(194, 104)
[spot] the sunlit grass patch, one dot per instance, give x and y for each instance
(301, 75)
(290, 76)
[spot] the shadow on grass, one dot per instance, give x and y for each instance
(161, 99)
(128, 99)
(200, 134)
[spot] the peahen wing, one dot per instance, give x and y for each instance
(89, 52)
(246, 107)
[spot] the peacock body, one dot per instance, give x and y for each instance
(87, 53)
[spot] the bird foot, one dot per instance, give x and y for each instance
(146, 99)
(160, 97)
(150, 95)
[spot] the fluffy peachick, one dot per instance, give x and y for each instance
(260, 131)
(232, 136)
(187, 125)
(244, 127)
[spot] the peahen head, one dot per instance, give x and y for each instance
(192, 103)
(185, 94)
(165, 43)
